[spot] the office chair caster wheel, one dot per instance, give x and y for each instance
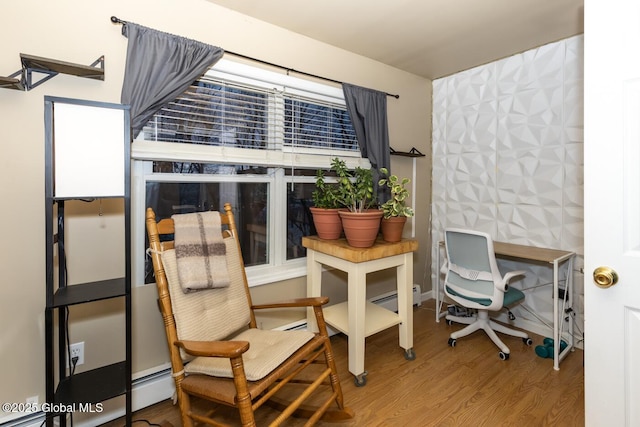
(360, 380)
(512, 316)
(527, 341)
(449, 322)
(452, 342)
(409, 354)
(503, 355)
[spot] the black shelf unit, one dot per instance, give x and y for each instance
(78, 390)
(49, 68)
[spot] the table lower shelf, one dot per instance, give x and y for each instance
(376, 318)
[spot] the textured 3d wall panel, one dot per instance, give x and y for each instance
(507, 157)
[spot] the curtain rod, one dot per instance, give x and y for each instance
(294, 71)
(116, 20)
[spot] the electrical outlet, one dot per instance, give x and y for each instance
(77, 350)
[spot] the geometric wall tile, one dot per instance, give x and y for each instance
(533, 176)
(507, 148)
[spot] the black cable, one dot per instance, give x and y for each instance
(63, 283)
(145, 421)
(66, 325)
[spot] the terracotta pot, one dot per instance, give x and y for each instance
(392, 228)
(327, 222)
(361, 228)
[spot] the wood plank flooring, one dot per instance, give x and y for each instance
(463, 386)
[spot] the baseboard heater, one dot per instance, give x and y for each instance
(389, 300)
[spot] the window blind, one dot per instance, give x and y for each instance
(219, 113)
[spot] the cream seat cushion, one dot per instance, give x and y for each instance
(219, 314)
(267, 350)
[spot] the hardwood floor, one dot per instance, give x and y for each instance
(463, 386)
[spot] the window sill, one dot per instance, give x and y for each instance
(264, 275)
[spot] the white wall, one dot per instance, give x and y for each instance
(507, 157)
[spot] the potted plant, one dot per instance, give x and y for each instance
(325, 208)
(395, 210)
(355, 192)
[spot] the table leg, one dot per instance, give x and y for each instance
(404, 279)
(437, 286)
(356, 300)
(314, 286)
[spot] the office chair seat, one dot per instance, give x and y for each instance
(511, 297)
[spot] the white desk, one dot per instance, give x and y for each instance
(535, 254)
(358, 318)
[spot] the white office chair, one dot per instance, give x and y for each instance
(474, 281)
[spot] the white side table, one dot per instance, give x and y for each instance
(357, 318)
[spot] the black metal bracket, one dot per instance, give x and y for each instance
(414, 152)
(28, 77)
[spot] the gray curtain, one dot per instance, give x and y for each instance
(368, 112)
(159, 68)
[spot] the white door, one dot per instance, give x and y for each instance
(612, 212)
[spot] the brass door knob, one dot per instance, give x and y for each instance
(605, 277)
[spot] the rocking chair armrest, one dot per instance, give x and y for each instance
(228, 349)
(298, 302)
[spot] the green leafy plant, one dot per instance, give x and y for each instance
(325, 195)
(396, 205)
(355, 188)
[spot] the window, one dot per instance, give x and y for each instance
(252, 138)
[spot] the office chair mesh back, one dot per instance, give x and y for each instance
(472, 270)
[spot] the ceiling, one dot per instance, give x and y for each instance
(429, 38)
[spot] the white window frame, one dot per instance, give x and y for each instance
(145, 152)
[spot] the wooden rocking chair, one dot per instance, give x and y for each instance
(253, 366)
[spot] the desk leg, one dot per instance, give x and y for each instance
(356, 303)
(570, 301)
(314, 286)
(559, 315)
(404, 281)
(437, 286)
(556, 337)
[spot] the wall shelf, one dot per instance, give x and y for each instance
(32, 66)
(414, 152)
(11, 83)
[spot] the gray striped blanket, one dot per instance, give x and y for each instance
(200, 251)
